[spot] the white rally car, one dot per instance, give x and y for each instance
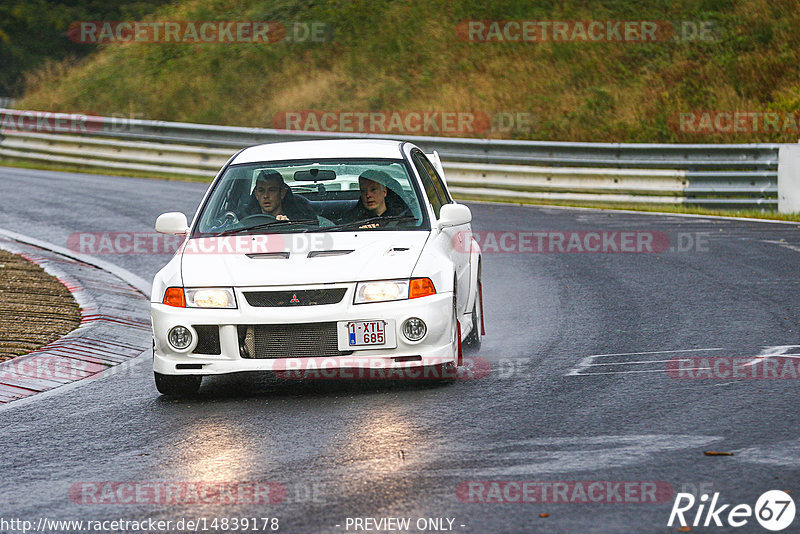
(319, 255)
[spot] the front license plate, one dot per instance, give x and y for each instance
(376, 334)
(366, 333)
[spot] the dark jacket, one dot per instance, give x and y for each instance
(394, 207)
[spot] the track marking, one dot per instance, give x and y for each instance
(652, 352)
(634, 363)
(782, 244)
(770, 352)
(619, 372)
(590, 361)
(586, 363)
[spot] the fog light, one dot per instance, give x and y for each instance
(180, 337)
(414, 329)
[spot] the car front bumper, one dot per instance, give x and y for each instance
(435, 348)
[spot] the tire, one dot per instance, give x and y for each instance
(177, 385)
(473, 340)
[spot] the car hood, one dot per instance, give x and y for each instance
(295, 259)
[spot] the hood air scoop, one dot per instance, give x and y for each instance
(269, 256)
(328, 253)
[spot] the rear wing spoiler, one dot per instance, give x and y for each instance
(437, 164)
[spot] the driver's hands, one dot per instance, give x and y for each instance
(281, 217)
(371, 225)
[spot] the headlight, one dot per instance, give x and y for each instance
(210, 298)
(381, 291)
(388, 290)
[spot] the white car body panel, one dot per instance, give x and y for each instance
(297, 150)
(443, 254)
(372, 258)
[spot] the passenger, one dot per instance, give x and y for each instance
(376, 200)
(271, 196)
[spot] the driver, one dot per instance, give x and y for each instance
(275, 198)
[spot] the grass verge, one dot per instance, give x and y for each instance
(36, 309)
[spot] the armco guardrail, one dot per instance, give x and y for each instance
(712, 175)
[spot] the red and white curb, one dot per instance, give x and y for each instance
(115, 325)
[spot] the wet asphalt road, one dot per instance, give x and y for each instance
(578, 345)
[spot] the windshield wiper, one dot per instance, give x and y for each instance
(371, 220)
(270, 224)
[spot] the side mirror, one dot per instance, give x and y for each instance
(173, 222)
(454, 215)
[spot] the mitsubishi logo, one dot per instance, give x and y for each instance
(294, 300)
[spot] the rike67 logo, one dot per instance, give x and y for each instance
(774, 510)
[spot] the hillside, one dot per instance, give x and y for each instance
(373, 59)
(33, 33)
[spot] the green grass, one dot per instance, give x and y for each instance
(405, 55)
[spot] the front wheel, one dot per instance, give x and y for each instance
(177, 385)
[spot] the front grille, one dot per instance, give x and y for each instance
(207, 339)
(305, 340)
(303, 297)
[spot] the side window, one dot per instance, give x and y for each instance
(437, 180)
(427, 183)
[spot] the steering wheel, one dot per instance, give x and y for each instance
(229, 218)
(258, 218)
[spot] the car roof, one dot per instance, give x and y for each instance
(323, 149)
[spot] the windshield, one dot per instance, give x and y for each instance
(312, 196)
